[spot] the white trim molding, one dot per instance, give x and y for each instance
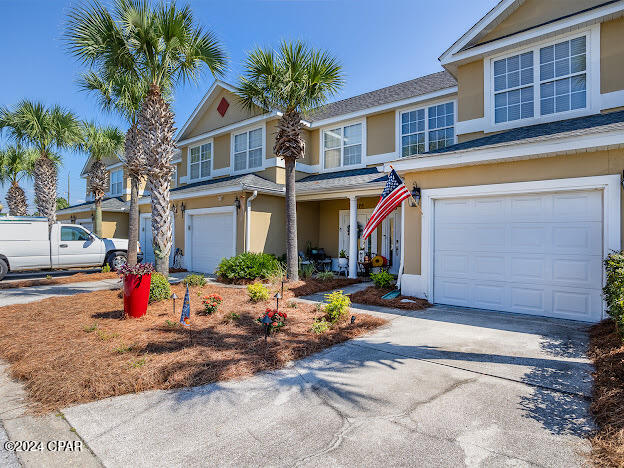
(609, 184)
(188, 247)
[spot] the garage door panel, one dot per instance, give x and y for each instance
(526, 208)
(453, 264)
(528, 268)
(528, 299)
(489, 295)
(211, 240)
(489, 237)
(489, 266)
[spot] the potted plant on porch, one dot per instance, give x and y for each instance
(136, 287)
(342, 258)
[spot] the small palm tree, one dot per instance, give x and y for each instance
(160, 45)
(16, 163)
(45, 129)
(100, 143)
(295, 79)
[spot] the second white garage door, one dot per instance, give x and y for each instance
(210, 239)
(536, 253)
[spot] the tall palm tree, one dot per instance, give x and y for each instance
(294, 79)
(100, 143)
(16, 163)
(45, 129)
(160, 45)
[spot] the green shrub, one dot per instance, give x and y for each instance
(248, 265)
(159, 288)
(106, 268)
(307, 270)
(195, 280)
(325, 276)
(257, 292)
(613, 291)
(382, 279)
(337, 305)
(320, 326)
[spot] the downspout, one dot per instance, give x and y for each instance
(402, 245)
(248, 220)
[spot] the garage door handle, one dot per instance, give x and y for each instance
(63, 246)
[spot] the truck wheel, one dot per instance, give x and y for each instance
(4, 269)
(116, 260)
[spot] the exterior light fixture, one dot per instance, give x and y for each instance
(182, 208)
(174, 297)
(352, 319)
(277, 297)
(72, 218)
(237, 204)
(415, 198)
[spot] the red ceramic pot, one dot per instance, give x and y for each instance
(136, 294)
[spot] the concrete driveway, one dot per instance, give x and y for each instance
(443, 387)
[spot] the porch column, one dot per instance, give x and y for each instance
(353, 235)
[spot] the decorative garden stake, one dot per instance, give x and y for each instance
(174, 297)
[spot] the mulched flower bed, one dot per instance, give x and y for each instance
(606, 350)
(372, 296)
(76, 278)
(76, 349)
(302, 287)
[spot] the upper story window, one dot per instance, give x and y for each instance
(248, 149)
(342, 146)
(116, 182)
(546, 80)
(427, 129)
(200, 161)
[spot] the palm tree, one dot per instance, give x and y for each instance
(100, 143)
(45, 129)
(16, 163)
(295, 79)
(160, 45)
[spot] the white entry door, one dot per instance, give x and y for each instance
(536, 253)
(391, 240)
(368, 245)
(210, 237)
(145, 239)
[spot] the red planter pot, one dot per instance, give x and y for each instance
(136, 294)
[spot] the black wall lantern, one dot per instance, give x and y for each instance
(415, 198)
(237, 204)
(182, 208)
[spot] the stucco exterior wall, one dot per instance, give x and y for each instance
(221, 153)
(268, 225)
(612, 55)
(380, 133)
(113, 224)
(307, 224)
(560, 167)
(470, 91)
(311, 153)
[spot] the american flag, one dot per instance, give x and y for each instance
(392, 196)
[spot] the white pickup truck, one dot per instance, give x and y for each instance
(26, 244)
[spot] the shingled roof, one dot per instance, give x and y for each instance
(361, 178)
(108, 204)
(397, 92)
(246, 182)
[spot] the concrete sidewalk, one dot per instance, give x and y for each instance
(441, 387)
(37, 293)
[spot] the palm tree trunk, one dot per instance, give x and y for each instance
(156, 132)
(45, 188)
(97, 220)
(292, 259)
(133, 221)
(16, 199)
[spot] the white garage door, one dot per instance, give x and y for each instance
(536, 254)
(211, 239)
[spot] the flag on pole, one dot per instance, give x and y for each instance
(185, 318)
(392, 196)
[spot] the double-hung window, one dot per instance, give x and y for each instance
(200, 161)
(513, 88)
(342, 146)
(248, 150)
(427, 129)
(116, 182)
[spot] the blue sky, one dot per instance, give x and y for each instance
(378, 43)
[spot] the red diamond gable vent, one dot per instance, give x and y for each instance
(223, 107)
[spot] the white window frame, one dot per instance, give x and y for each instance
(342, 167)
(398, 130)
(121, 183)
(188, 161)
(592, 72)
(247, 169)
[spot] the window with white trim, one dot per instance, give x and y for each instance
(200, 159)
(546, 80)
(342, 146)
(248, 150)
(116, 182)
(427, 129)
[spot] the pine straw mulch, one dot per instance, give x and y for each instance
(372, 296)
(76, 349)
(606, 350)
(75, 278)
(303, 287)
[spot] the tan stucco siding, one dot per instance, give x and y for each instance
(470, 91)
(307, 224)
(380, 133)
(612, 56)
(221, 153)
(274, 174)
(535, 12)
(113, 224)
(209, 118)
(268, 225)
(575, 165)
(311, 153)
(271, 131)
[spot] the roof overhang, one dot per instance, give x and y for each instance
(182, 195)
(89, 209)
(539, 147)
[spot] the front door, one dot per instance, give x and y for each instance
(391, 240)
(78, 248)
(368, 246)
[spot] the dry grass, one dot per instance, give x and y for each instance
(372, 296)
(606, 350)
(76, 278)
(76, 349)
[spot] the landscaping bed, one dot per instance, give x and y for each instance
(372, 296)
(75, 278)
(76, 349)
(606, 350)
